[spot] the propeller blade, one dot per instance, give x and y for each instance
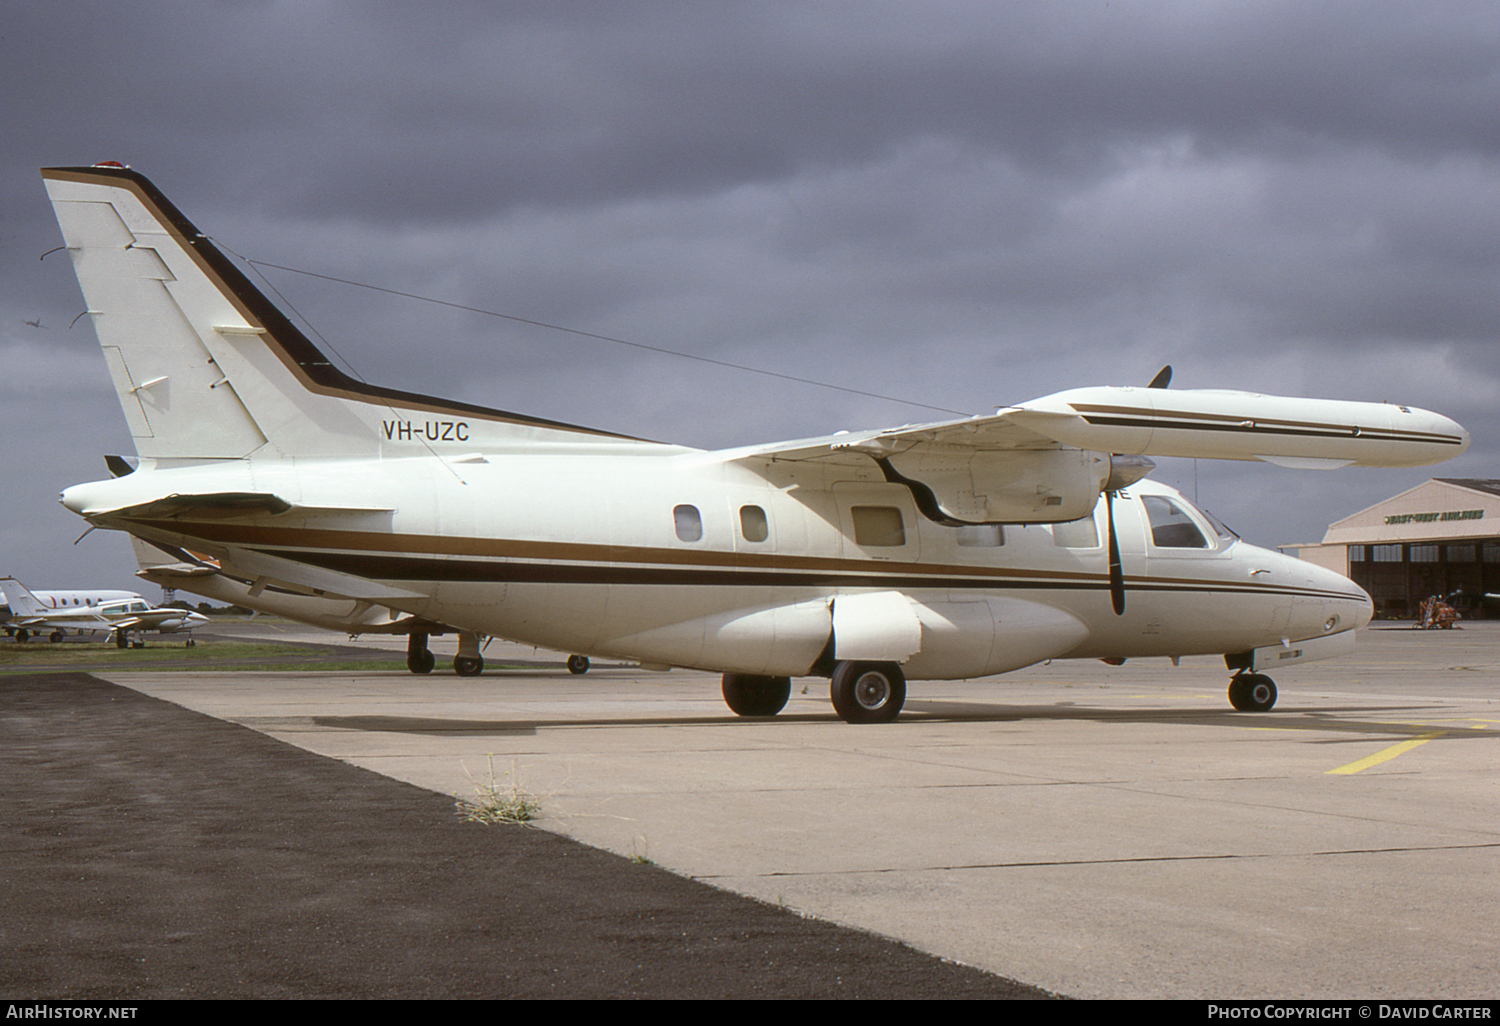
(1116, 571)
(1163, 378)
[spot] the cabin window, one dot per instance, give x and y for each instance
(1076, 534)
(981, 536)
(1171, 527)
(689, 524)
(753, 524)
(878, 526)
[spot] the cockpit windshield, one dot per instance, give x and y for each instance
(1227, 534)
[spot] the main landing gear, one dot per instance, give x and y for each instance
(861, 692)
(868, 692)
(1252, 692)
(875, 692)
(468, 662)
(123, 640)
(749, 695)
(419, 658)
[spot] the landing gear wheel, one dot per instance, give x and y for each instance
(578, 664)
(749, 695)
(468, 662)
(22, 637)
(418, 658)
(868, 692)
(121, 641)
(55, 637)
(1252, 692)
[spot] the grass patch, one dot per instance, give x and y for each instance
(494, 801)
(40, 655)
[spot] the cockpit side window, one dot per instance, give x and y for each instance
(1171, 526)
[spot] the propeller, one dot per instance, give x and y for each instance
(1123, 471)
(1116, 571)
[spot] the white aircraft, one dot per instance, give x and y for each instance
(121, 613)
(936, 551)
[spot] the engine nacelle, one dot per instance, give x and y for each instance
(1039, 487)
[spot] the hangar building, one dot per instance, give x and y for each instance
(1439, 538)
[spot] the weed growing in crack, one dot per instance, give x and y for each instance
(497, 802)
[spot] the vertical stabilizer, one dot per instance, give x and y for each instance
(206, 367)
(19, 598)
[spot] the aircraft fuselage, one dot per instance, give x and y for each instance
(688, 560)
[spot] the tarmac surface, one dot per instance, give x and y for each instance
(1097, 832)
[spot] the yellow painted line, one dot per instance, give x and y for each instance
(1385, 754)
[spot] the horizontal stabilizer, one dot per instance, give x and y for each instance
(202, 506)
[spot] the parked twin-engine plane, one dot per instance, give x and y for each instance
(119, 613)
(937, 551)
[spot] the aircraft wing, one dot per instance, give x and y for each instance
(83, 618)
(999, 432)
(1048, 459)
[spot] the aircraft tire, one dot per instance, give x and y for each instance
(867, 692)
(419, 658)
(55, 637)
(578, 664)
(1252, 692)
(468, 666)
(749, 695)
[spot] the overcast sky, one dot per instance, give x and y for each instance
(961, 205)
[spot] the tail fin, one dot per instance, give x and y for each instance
(19, 598)
(206, 367)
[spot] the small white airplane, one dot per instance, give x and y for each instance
(948, 550)
(121, 613)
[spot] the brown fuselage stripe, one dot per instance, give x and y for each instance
(409, 557)
(419, 568)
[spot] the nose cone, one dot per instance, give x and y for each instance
(1345, 605)
(1453, 439)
